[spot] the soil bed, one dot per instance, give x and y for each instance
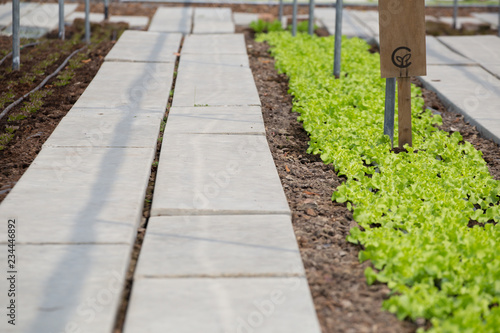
(343, 300)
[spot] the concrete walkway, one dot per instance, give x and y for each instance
(79, 204)
(38, 19)
(219, 253)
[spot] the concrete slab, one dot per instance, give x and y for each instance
(471, 91)
(215, 80)
(6, 12)
(134, 22)
(460, 21)
(368, 18)
(146, 46)
(96, 195)
(217, 246)
(27, 32)
(63, 288)
(244, 19)
(46, 16)
(271, 305)
(172, 19)
(430, 18)
(214, 28)
(217, 174)
(213, 20)
(94, 17)
(206, 14)
(216, 120)
(215, 44)
(351, 27)
(490, 18)
(440, 54)
(482, 49)
(98, 129)
(132, 86)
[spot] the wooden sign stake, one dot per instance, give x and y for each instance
(402, 55)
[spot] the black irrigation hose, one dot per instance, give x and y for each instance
(22, 47)
(11, 106)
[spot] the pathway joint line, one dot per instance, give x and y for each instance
(121, 315)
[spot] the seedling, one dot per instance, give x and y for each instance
(16, 117)
(5, 139)
(64, 78)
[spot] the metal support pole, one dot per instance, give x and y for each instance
(61, 19)
(455, 13)
(87, 22)
(310, 28)
(390, 103)
(280, 13)
(338, 38)
(106, 9)
(16, 55)
(294, 18)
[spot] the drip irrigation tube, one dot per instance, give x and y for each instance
(11, 106)
(22, 47)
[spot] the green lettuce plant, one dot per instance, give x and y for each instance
(428, 217)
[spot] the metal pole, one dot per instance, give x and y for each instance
(455, 13)
(16, 56)
(280, 13)
(338, 38)
(310, 28)
(106, 9)
(390, 103)
(294, 18)
(61, 19)
(499, 19)
(87, 22)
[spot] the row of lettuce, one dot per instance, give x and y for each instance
(415, 208)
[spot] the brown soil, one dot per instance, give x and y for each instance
(34, 130)
(343, 300)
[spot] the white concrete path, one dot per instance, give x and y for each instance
(37, 21)
(219, 253)
(244, 19)
(490, 18)
(484, 50)
(461, 21)
(172, 19)
(213, 20)
(154, 47)
(471, 91)
(350, 25)
(79, 204)
(6, 12)
(134, 22)
(439, 54)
